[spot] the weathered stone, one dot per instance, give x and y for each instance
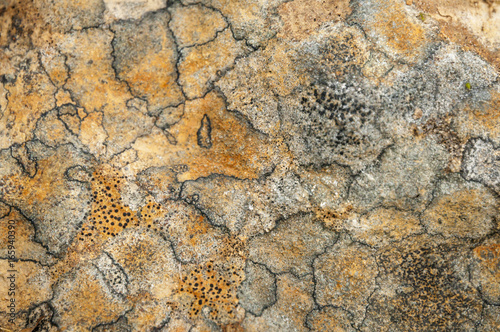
(249, 165)
(258, 291)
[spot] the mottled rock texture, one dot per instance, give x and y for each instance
(249, 165)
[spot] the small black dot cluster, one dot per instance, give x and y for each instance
(439, 300)
(336, 119)
(110, 215)
(213, 285)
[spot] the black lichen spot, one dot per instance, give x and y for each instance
(205, 133)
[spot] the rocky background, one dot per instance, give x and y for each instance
(263, 165)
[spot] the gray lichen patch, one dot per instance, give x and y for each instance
(404, 177)
(294, 302)
(258, 291)
(481, 163)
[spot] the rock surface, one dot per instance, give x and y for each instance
(249, 165)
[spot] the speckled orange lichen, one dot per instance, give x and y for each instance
(108, 215)
(214, 286)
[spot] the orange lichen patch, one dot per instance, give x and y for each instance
(291, 246)
(486, 271)
(147, 312)
(54, 65)
(63, 97)
(214, 286)
(199, 65)
(195, 24)
(46, 191)
(108, 215)
(92, 133)
(92, 80)
(94, 86)
(268, 70)
(346, 277)
(476, 120)
(466, 213)
(490, 256)
(403, 35)
(294, 302)
(383, 226)
(29, 96)
(235, 327)
(302, 17)
(329, 319)
(236, 149)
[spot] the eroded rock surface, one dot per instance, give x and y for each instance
(262, 165)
